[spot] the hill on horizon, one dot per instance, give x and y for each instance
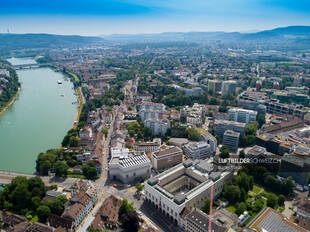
(291, 37)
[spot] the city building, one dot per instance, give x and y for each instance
(158, 127)
(4, 73)
(256, 152)
(291, 124)
(223, 125)
(179, 142)
(250, 99)
(231, 140)
(290, 96)
(150, 110)
(79, 206)
(107, 215)
(209, 139)
(274, 144)
(229, 87)
(242, 115)
(183, 186)
(214, 86)
(275, 107)
(194, 115)
(297, 167)
(198, 221)
(167, 157)
(303, 214)
(272, 221)
(147, 146)
(198, 150)
(189, 92)
(129, 168)
(258, 85)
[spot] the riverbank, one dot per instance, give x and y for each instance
(80, 100)
(10, 103)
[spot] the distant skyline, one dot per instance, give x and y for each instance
(99, 17)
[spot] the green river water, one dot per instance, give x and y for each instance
(39, 118)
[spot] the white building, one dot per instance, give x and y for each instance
(194, 115)
(198, 150)
(183, 186)
(229, 87)
(150, 114)
(119, 152)
(147, 146)
(242, 115)
(158, 127)
(129, 168)
(209, 139)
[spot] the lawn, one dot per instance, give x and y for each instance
(80, 176)
(256, 189)
(231, 209)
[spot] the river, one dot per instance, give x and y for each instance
(39, 118)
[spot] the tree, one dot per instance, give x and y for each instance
(231, 193)
(130, 221)
(139, 187)
(44, 162)
(90, 172)
(288, 186)
(147, 132)
(224, 152)
(272, 200)
(223, 109)
(250, 133)
(35, 202)
(20, 196)
(74, 141)
(213, 101)
(105, 132)
(43, 212)
(61, 168)
(241, 207)
(192, 134)
(125, 207)
(281, 200)
(242, 154)
(206, 206)
(36, 186)
(258, 205)
(57, 207)
(261, 119)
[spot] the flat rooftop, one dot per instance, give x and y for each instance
(186, 180)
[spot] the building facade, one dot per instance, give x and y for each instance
(231, 140)
(129, 168)
(224, 125)
(242, 115)
(183, 186)
(167, 158)
(198, 150)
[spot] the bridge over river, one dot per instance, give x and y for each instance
(29, 66)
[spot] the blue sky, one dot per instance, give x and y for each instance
(97, 17)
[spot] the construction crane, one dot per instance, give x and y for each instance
(210, 215)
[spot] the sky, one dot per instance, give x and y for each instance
(101, 17)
